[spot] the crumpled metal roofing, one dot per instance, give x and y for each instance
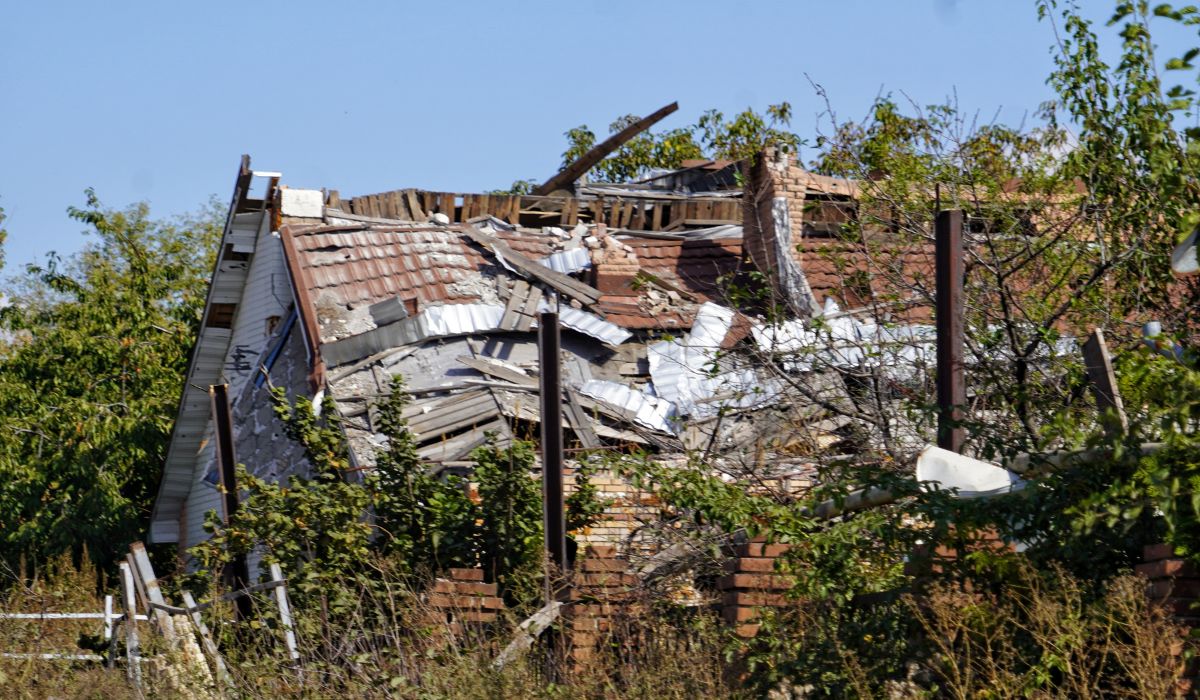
(647, 411)
(590, 324)
(568, 261)
(843, 341)
(691, 374)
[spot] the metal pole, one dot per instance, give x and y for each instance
(237, 574)
(951, 386)
(285, 612)
(552, 441)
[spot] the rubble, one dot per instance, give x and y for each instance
(443, 291)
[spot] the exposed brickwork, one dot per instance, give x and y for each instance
(628, 508)
(602, 594)
(925, 561)
(752, 582)
(783, 200)
(463, 600)
(1175, 584)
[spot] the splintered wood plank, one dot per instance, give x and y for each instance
(428, 202)
(478, 413)
(460, 445)
(597, 208)
(570, 215)
(574, 170)
(514, 210)
(516, 300)
(498, 371)
(484, 202)
(614, 213)
(529, 312)
(639, 217)
(1102, 378)
(503, 285)
(656, 218)
(580, 422)
(449, 412)
(414, 207)
(333, 200)
(561, 283)
(445, 205)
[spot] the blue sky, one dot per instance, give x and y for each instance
(156, 101)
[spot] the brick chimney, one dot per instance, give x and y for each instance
(772, 210)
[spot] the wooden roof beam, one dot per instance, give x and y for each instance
(587, 161)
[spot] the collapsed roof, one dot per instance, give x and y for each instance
(444, 289)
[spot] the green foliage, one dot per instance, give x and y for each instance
(429, 523)
(584, 505)
(518, 187)
(314, 526)
(1138, 169)
(330, 523)
(90, 373)
(712, 136)
(511, 522)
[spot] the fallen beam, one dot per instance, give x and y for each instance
(575, 170)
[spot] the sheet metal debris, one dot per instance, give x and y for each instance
(647, 411)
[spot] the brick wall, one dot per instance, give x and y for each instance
(628, 508)
(772, 223)
(1175, 584)
(601, 596)
(752, 582)
(463, 600)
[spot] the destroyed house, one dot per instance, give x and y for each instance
(329, 295)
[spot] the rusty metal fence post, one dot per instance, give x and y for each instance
(951, 385)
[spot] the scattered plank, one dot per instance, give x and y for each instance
(285, 611)
(567, 176)
(516, 300)
(1101, 377)
(581, 423)
(206, 641)
(556, 280)
(498, 371)
(145, 572)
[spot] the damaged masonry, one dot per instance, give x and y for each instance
(325, 295)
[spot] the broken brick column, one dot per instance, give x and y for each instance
(773, 203)
(752, 582)
(1174, 583)
(601, 594)
(614, 265)
(464, 601)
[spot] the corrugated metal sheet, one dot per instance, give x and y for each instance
(690, 373)
(590, 324)
(647, 411)
(840, 340)
(461, 319)
(568, 261)
(435, 321)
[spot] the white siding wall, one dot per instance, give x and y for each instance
(266, 299)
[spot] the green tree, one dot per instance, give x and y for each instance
(712, 136)
(313, 524)
(90, 375)
(430, 523)
(511, 523)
